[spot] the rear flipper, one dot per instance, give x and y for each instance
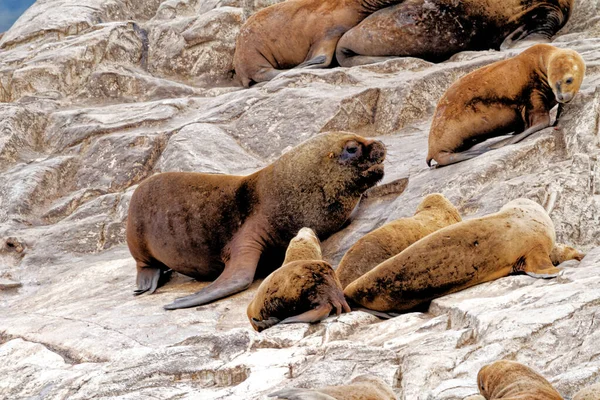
(150, 278)
(314, 315)
(301, 394)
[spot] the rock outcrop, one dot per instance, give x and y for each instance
(97, 95)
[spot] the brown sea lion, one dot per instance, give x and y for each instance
(363, 387)
(436, 29)
(518, 238)
(509, 380)
(203, 225)
(304, 289)
(434, 212)
(561, 253)
(296, 33)
(513, 95)
(589, 393)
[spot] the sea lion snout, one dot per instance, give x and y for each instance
(564, 97)
(377, 151)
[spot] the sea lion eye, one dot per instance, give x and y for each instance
(569, 81)
(351, 150)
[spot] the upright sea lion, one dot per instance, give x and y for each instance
(296, 33)
(518, 238)
(363, 387)
(436, 29)
(509, 380)
(304, 289)
(203, 225)
(589, 393)
(513, 95)
(561, 253)
(434, 212)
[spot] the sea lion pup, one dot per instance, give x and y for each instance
(363, 387)
(203, 225)
(513, 95)
(437, 29)
(509, 380)
(304, 289)
(518, 238)
(589, 393)
(434, 212)
(295, 33)
(561, 253)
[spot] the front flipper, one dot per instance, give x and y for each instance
(539, 265)
(314, 315)
(149, 278)
(519, 137)
(264, 324)
(514, 37)
(300, 394)
(447, 158)
(238, 274)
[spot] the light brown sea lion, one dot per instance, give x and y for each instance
(304, 289)
(203, 225)
(518, 238)
(434, 212)
(513, 95)
(363, 387)
(436, 29)
(561, 253)
(509, 380)
(296, 33)
(589, 393)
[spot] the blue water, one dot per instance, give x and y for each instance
(10, 10)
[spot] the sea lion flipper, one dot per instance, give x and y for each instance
(314, 315)
(446, 158)
(514, 37)
(147, 280)
(539, 265)
(265, 323)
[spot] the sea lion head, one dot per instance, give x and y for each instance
(566, 70)
(304, 246)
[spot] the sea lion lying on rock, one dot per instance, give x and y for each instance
(561, 253)
(304, 289)
(205, 225)
(296, 33)
(509, 380)
(436, 29)
(514, 95)
(363, 387)
(518, 238)
(434, 212)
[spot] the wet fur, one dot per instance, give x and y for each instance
(434, 212)
(435, 30)
(509, 380)
(205, 225)
(506, 96)
(519, 238)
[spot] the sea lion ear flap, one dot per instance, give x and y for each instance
(331, 154)
(539, 265)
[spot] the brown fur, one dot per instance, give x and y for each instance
(589, 393)
(509, 380)
(518, 238)
(507, 96)
(434, 212)
(363, 387)
(436, 29)
(302, 284)
(288, 34)
(561, 253)
(203, 225)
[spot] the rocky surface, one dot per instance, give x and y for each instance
(97, 95)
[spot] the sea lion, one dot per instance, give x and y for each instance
(518, 238)
(509, 380)
(434, 212)
(203, 225)
(561, 253)
(589, 393)
(436, 29)
(363, 387)
(513, 95)
(304, 289)
(295, 33)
